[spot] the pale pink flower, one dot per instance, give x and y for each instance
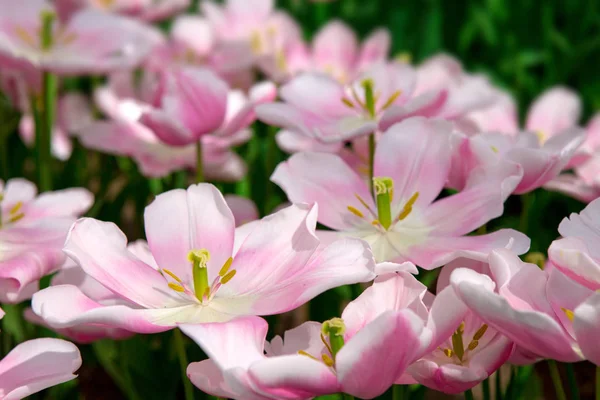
(123, 134)
(91, 42)
(320, 108)
(533, 307)
(208, 270)
(577, 253)
(388, 326)
(251, 29)
(465, 356)
(404, 222)
(549, 143)
(146, 10)
(32, 232)
(74, 113)
(583, 184)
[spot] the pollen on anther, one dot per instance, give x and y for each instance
(570, 315)
(473, 345)
(408, 206)
(228, 277)
(327, 360)
(347, 102)
(15, 209)
(303, 353)
(172, 275)
(176, 287)
(225, 267)
(356, 212)
(448, 352)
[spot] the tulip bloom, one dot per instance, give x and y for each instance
(243, 209)
(123, 134)
(208, 270)
(32, 232)
(549, 143)
(91, 42)
(533, 307)
(466, 356)
(576, 254)
(388, 325)
(403, 222)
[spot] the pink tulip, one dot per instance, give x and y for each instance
(322, 109)
(208, 270)
(466, 356)
(388, 326)
(32, 232)
(532, 307)
(576, 253)
(583, 184)
(73, 115)
(251, 28)
(91, 42)
(403, 222)
(123, 134)
(146, 10)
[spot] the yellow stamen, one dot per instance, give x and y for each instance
(347, 102)
(461, 328)
(391, 100)
(256, 43)
(225, 267)
(473, 345)
(172, 275)
(15, 218)
(375, 222)
(355, 212)
(495, 149)
(25, 36)
(281, 61)
(326, 344)
(356, 98)
(176, 287)
(541, 136)
(15, 209)
(480, 332)
(364, 203)
(327, 360)
(448, 353)
(228, 277)
(568, 313)
(408, 206)
(303, 353)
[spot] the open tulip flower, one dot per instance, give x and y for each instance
(123, 133)
(36, 365)
(403, 221)
(537, 309)
(32, 232)
(388, 325)
(207, 270)
(91, 42)
(549, 144)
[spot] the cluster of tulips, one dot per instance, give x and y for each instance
(401, 165)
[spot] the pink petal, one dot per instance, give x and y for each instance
(61, 203)
(425, 105)
(414, 153)
(392, 342)
(36, 365)
(243, 209)
(335, 46)
(573, 186)
(294, 142)
(328, 181)
(448, 378)
(180, 221)
(374, 48)
(17, 189)
(208, 377)
(586, 325)
(100, 249)
(194, 32)
(557, 109)
(572, 257)
(445, 315)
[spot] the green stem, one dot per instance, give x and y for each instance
(573, 387)
(526, 201)
(397, 392)
(498, 385)
(597, 383)
(347, 397)
(5, 174)
(183, 363)
(199, 164)
(371, 160)
(469, 395)
(486, 389)
(558, 386)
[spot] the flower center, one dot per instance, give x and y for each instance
(332, 336)
(458, 351)
(368, 106)
(202, 290)
(15, 213)
(384, 195)
(47, 38)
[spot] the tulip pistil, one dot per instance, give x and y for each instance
(458, 348)
(384, 194)
(334, 329)
(368, 87)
